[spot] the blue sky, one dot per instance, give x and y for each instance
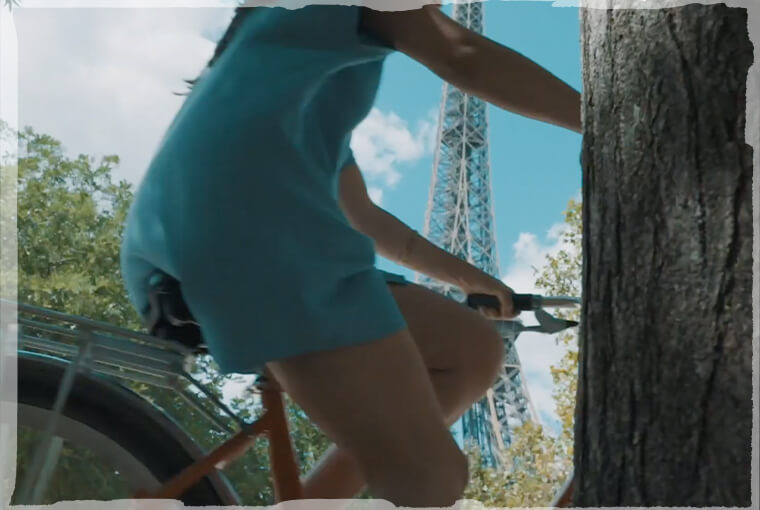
(101, 81)
(535, 166)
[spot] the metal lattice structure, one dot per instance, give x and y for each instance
(460, 219)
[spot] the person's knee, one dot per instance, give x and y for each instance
(488, 356)
(460, 473)
(454, 469)
(434, 478)
(441, 481)
(453, 480)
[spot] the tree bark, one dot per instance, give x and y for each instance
(664, 410)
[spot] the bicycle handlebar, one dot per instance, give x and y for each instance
(528, 302)
(522, 302)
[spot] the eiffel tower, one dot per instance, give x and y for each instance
(459, 219)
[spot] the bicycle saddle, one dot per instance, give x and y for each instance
(169, 317)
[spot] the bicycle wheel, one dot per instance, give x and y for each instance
(121, 429)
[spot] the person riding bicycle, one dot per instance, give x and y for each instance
(254, 203)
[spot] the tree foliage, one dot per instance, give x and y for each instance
(70, 218)
(538, 463)
(70, 221)
(561, 276)
(534, 469)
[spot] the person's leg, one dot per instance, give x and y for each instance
(463, 353)
(376, 401)
(462, 349)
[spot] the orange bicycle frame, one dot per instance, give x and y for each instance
(273, 424)
(285, 476)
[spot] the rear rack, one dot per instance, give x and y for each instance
(119, 355)
(114, 352)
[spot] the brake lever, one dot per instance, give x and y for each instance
(547, 323)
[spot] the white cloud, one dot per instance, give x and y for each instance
(376, 194)
(383, 141)
(237, 387)
(101, 80)
(530, 253)
(124, 3)
(428, 130)
(537, 352)
(557, 230)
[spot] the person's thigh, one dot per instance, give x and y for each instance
(451, 336)
(376, 401)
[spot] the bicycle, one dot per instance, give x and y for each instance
(169, 466)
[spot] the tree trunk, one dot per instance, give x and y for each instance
(664, 410)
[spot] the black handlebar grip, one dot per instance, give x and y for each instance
(485, 300)
(521, 302)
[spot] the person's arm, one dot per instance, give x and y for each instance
(395, 240)
(477, 65)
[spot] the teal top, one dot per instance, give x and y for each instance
(240, 201)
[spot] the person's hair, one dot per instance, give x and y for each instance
(237, 19)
